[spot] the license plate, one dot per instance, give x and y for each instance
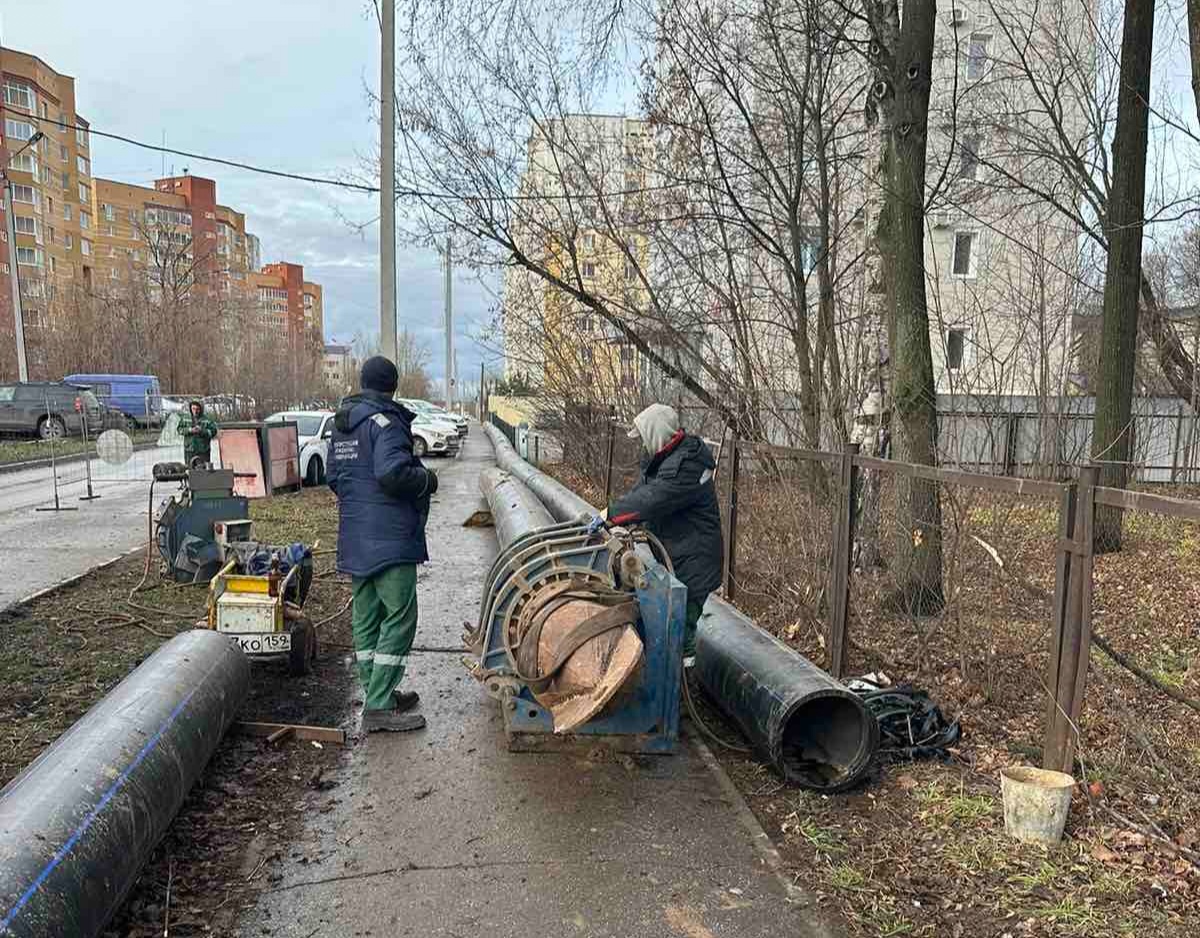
(264, 643)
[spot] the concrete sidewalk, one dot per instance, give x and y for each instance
(445, 833)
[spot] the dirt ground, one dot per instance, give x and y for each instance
(65, 651)
(920, 849)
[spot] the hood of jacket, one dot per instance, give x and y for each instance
(656, 425)
(195, 402)
(363, 406)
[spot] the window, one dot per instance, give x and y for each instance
(50, 235)
(589, 242)
(810, 248)
(18, 130)
(955, 344)
(85, 246)
(30, 257)
(45, 110)
(109, 214)
(964, 253)
(589, 269)
(85, 194)
(68, 241)
(586, 324)
(631, 271)
(66, 212)
(27, 226)
(66, 182)
(977, 57)
(586, 355)
(81, 136)
(18, 95)
(81, 163)
(968, 157)
(62, 152)
(26, 194)
(25, 162)
(85, 220)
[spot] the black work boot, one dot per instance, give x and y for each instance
(391, 721)
(405, 699)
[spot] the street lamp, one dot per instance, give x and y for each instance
(14, 282)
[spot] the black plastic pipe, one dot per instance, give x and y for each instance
(815, 732)
(79, 823)
(562, 503)
(515, 509)
(818, 734)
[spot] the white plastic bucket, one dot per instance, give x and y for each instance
(1036, 803)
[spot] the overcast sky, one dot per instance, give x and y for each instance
(277, 83)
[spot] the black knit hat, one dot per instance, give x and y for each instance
(379, 374)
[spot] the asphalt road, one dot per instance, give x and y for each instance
(41, 548)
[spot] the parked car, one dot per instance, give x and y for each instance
(314, 428)
(50, 409)
(137, 397)
(433, 412)
(434, 438)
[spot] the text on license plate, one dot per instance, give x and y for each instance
(261, 643)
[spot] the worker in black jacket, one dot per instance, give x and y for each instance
(676, 499)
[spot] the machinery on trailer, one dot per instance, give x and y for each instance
(580, 634)
(184, 527)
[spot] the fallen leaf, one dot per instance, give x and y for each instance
(907, 782)
(1103, 854)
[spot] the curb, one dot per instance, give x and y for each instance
(47, 461)
(767, 852)
(71, 580)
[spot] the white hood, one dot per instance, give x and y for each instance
(655, 426)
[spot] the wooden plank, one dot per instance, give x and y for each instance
(980, 480)
(281, 733)
(1052, 754)
(730, 578)
(1145, 501)
(321, 734)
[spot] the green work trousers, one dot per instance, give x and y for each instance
(384, 621)
(691, 620)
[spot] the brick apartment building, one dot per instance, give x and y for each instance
(75, 230)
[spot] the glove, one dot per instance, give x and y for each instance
(595, 524)
(432, 484)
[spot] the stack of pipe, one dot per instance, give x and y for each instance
(812, 729)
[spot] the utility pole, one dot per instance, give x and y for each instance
(387, 182)
(18, 313)
(449, 329)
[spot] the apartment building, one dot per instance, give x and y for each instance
(338, 367)
(288, 303)
(51, 192)
(549, 338)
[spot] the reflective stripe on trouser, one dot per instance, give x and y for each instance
(384, 621)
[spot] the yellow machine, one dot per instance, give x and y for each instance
(252, 611)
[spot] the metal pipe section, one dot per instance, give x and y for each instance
(818, 734)
(562, 503)
(815, 732)
(79, 823)
(515, 509)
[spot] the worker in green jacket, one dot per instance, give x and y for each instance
(198, 434)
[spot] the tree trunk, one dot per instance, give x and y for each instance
(1112, 436)
(903, 67)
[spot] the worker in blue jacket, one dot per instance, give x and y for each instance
(383, 495)
(676, 500)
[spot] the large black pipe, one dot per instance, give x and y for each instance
(515, 509)
(814, 731)
(562, 503)
(79, 823)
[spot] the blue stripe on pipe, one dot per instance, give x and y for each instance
(108, 796)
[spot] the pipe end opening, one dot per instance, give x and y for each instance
(826, 743)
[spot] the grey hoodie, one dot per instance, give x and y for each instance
(655, 426)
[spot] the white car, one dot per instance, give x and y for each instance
(433, 412)
(314, 428)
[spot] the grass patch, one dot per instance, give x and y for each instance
(847, 877)
(821, 839)
(22, 450)
(1077, 918)
(960, 806)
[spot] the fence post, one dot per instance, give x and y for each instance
(1071, 642)
(843, 546)
(608, 463)
(730, 578)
